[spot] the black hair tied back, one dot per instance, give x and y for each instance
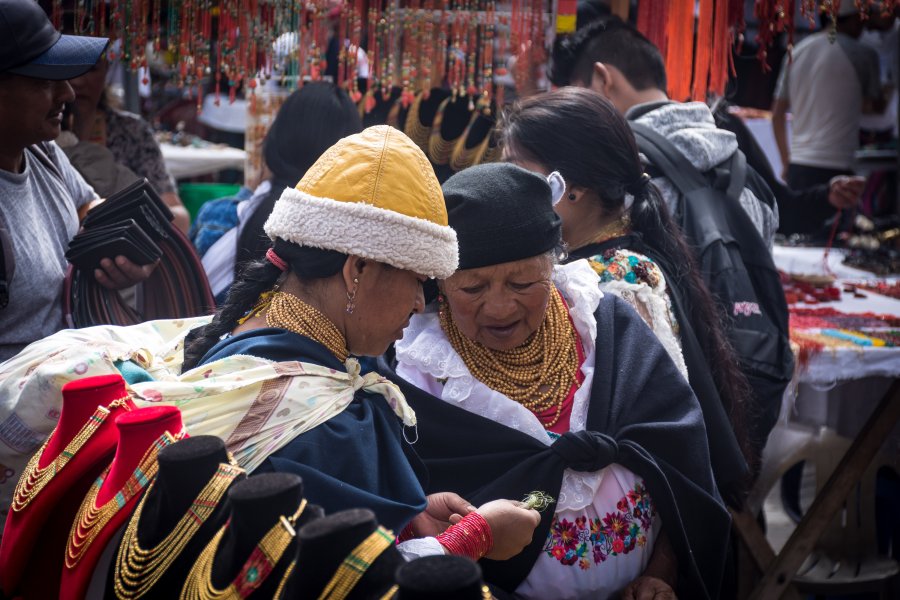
(638, 188)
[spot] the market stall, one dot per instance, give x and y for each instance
(844, 327)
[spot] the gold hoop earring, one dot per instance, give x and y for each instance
(351, 296)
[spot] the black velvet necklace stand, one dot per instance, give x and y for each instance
(325, 543)
(444, 577)
(257, 503)
(184, 469)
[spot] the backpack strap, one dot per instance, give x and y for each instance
(668, 159)
(738, 172)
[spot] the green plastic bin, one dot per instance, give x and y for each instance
(195, 195)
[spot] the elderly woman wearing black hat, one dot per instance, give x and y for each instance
(536, 381)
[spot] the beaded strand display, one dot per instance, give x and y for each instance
(538, 374)
(91, 519)
(35, 478)
(237, 42)
(138, 569)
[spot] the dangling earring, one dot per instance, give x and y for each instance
(351, 296)
(442, 304)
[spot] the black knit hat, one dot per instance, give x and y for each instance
(501, 213)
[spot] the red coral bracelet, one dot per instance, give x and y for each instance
(407, 534)
(470, 537)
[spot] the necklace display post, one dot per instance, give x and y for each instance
(250, 555)
(114, 495)
(326, 547)
(53, 483)
(182, 510)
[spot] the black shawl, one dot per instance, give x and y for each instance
(642, 416)
(728, 464)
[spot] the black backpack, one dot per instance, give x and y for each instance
(737, 267)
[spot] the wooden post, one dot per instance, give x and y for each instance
(830, 498)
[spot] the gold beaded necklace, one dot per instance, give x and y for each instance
(35, 478)
(255, 571)
(290, 312)
(538, 374)
(139, 569)
(615, 229)
(91, 520)
(356, 564)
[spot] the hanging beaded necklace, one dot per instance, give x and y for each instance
(139, 569)
(538, 374)
(35, 478)
(255, 571)
(356, 564)
(290, 312)
(91, 520)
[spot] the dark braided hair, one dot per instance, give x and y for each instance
(256, 277)
(579, 133)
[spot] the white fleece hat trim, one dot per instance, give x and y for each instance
(365, 230)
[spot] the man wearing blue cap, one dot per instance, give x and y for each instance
(41, 195)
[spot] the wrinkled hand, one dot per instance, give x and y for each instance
(512, 527)
(444, 509)
(844, 191)
(121, 273)
(648, 588)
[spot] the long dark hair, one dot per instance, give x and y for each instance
(256, 277)
(580, 134)
(311, 120)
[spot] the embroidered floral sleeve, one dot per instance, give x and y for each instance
(639, 281)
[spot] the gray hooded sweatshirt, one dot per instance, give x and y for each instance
(691, 128)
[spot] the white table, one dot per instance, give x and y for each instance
(808, 261)
(189, 161)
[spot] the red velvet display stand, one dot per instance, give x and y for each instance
(34, 538)
(138, 431)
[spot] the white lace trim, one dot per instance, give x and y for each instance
(653, 304)
(426, 358)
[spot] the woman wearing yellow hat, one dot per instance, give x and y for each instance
(353, 243)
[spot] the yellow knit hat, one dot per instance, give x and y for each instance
(375, 195)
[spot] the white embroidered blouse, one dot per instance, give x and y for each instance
(605, 524)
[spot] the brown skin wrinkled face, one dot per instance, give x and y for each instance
(500, 306)
(385, 300)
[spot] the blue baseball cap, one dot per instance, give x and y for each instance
(31, 46)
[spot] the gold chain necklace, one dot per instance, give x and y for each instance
(255, 571)
(35, 478)
(290, 312)
(538, 374)
(91, 520)
(356, 564)
(139, 569)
